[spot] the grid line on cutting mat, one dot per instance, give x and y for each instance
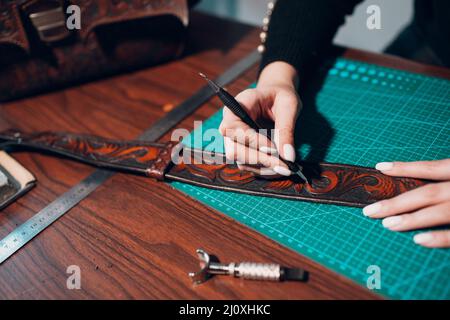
(376, 114)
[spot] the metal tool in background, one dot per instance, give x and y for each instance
(245, 270)
(49, 214)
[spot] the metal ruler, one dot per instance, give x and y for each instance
(41, 220)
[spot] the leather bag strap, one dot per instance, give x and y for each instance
(148, 158)
(331, 183)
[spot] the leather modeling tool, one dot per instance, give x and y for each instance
(231, 103)
(245, 270)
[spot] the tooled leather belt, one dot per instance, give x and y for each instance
(330, 183)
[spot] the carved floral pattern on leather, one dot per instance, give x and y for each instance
(149, 158)
(216, 172)
(378, 185)
(332, 183)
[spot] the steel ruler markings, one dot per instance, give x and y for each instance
(41, 220)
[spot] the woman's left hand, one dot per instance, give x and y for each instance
(424, 207)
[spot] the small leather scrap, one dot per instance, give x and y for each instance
(15, 180)
(331, 183)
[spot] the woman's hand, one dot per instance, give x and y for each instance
(424, 207)
(274, 100)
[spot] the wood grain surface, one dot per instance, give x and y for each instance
(135, 238)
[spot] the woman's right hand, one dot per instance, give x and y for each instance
(274, 99)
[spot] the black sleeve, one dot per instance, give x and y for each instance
(301, 30)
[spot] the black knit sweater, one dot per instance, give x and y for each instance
(301, 31)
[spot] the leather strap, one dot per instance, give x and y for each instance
(330, 183)
(148, 158)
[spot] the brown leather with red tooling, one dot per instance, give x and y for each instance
(151, 159)
(331, 183)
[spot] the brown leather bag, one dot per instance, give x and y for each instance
(38, 52)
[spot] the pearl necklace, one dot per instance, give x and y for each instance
(265, 27)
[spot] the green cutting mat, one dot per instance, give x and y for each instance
(362, 115)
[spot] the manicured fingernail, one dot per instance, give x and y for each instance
(268, 150)
(240, 165)
(267, 172)
(3, 180)
(423, 238)
(282, 170)
(392, 221)
(384, 166)
(289, 152)
(372, 209)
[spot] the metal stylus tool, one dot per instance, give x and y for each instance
(229, 101)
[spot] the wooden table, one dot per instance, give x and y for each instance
(134, 238)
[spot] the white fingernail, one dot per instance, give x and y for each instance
(289, 152)
(267, 172)
(268, 150)
(282, 170)
(392, 221)
(384, 166)
(371, 209)
(422, 238)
